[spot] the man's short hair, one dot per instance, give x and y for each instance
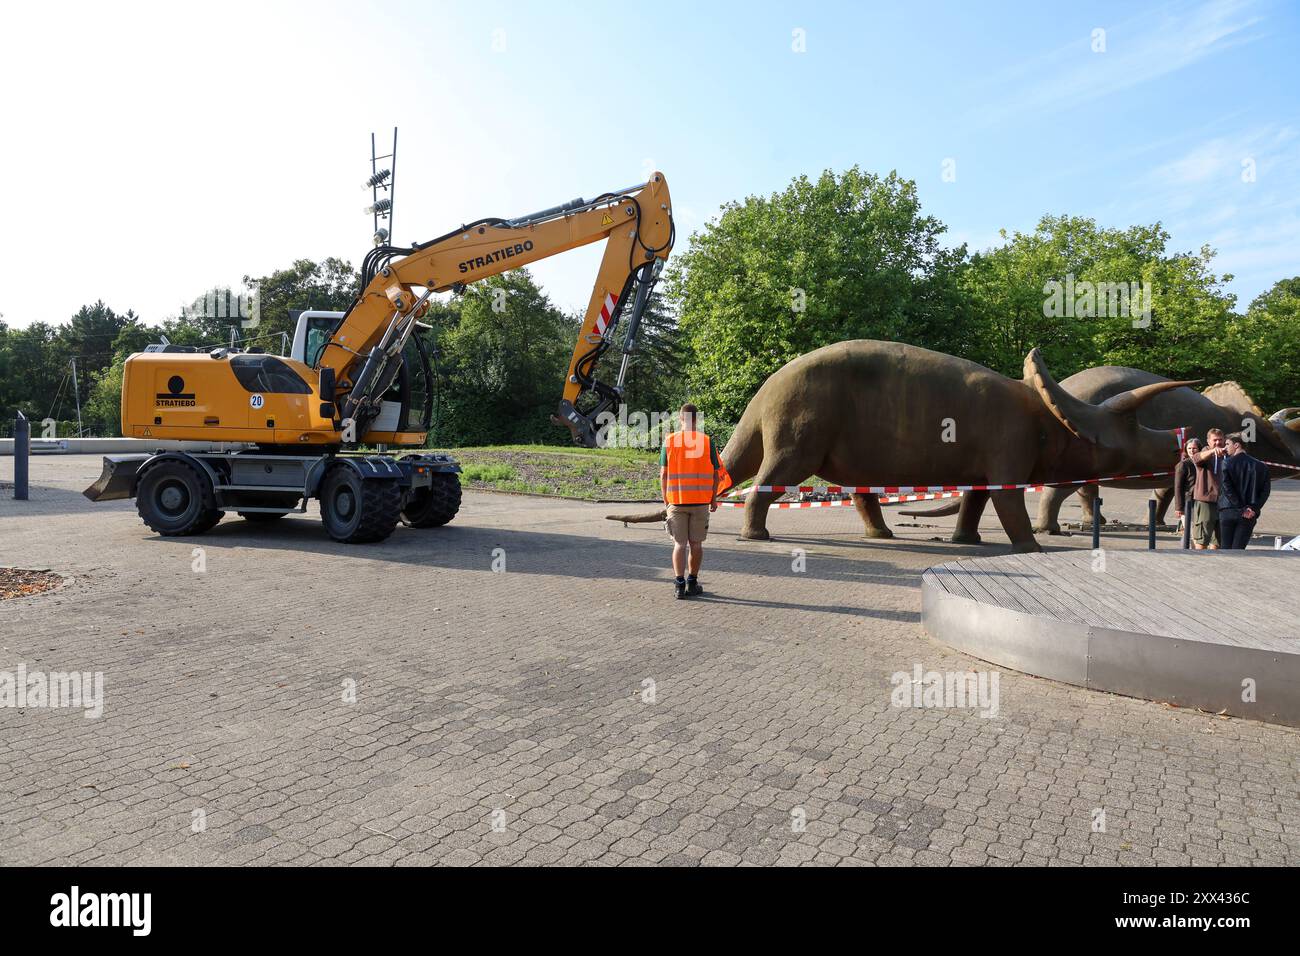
(1236, 438)
(690, 412)
(1214, 431)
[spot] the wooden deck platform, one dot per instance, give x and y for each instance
(1199, 629)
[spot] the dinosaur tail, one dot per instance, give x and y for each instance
(948, 509)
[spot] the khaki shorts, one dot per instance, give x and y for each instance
(1205, 522)
(688, 523)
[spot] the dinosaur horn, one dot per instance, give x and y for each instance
(1082, 419)
(1133, 399)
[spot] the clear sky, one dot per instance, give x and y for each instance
(151, 151)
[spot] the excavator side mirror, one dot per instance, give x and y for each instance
(326, 391)
(326, 388)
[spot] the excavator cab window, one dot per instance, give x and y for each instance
(319, 328)
(266, 373)
(413, 387)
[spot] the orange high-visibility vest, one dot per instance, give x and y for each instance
(690, 469)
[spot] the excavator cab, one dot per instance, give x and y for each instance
(407, 406)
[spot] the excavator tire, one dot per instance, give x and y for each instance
(357, 510)
(435, 505)
(175, 498)
(209, 521)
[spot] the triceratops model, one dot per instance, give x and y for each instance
(1225, 406)
(884, 413)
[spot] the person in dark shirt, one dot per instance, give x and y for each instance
(1243, 488)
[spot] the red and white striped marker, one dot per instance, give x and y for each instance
(606, 310)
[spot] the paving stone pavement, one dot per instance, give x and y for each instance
(567, 710)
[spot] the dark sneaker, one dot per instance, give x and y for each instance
(693, 587)
(681, 589)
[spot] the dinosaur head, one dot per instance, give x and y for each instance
(1118, 442)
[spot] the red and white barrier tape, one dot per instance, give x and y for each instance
(842, 502)
(897, 494)
(884, 500)
(914, 489)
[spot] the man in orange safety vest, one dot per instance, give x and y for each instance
(689, 475)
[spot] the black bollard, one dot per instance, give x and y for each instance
(1187, 524)
(22, 448)
(1151, 524)
(1096, 523)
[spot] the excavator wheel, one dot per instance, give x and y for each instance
(175, 498)
(356, 510)
(435, 505)
(209, 521)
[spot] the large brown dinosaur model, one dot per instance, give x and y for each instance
(1226, 406)
(884, 413)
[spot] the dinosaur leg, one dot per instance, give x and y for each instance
(968, 518)
(782, 468)
(1164, 498)
(1086, 495)
(1010, 506)
(1049, 509)
(868, 508)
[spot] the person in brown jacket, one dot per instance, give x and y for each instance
(1185, 481)
(1205, 493)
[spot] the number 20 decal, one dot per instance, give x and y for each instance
(256, 401)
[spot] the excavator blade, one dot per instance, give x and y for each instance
(118, 478)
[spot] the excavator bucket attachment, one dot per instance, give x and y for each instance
(582, 427)
(118, 478)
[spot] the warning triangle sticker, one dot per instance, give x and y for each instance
(607, 220)
(147, 433)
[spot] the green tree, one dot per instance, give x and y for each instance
(1047, 289)
(503, 351)
(330, 285)
(35, 365)
(1264, 347)
(102, 411)
(88, 337)
(208, 321)
(839, 257)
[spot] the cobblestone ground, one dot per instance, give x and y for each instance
(567, 710)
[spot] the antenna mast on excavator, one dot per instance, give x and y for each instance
(382, 181)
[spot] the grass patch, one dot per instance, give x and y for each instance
(486, 472)
(628, 474)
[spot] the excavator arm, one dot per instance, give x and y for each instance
(362, 357)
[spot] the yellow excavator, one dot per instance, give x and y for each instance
(356, 378)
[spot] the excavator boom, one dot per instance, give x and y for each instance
(637, 221)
